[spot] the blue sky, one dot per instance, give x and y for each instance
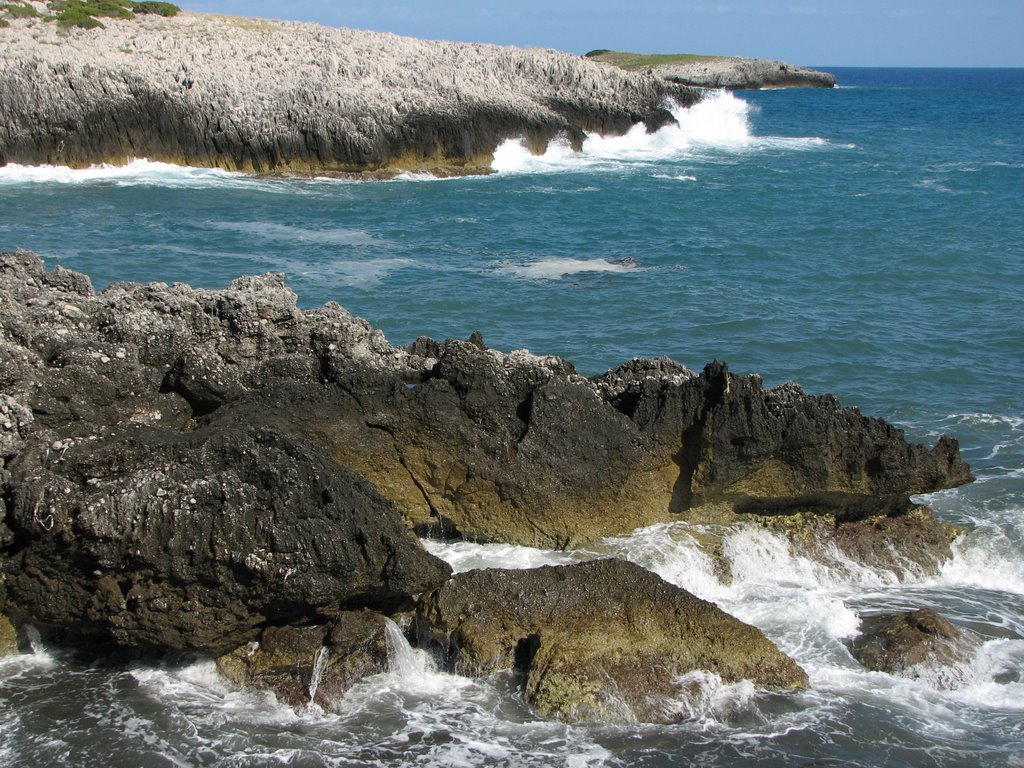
(924, 33)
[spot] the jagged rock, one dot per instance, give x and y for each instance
(917, 644)
(312, 664)
(602, 640)
(193, 541)
(464, 439)
(274, 96)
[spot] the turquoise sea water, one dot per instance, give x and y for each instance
(866, 241)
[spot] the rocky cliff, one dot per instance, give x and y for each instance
(271, 97)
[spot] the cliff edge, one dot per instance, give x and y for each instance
(277, 97)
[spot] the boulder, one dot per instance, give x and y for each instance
(314, 664)
(918, 644)
(194, 541)
(601, 640)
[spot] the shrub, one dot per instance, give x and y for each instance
(19, 10)
(161, 9)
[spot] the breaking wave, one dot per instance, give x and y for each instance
(718, 122)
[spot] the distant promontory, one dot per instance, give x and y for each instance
(732, 72)
(285, 97)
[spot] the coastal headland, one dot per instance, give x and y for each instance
(222, 474)
(730, 72)
(285, 97)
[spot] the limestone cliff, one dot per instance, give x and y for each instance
(274, 96)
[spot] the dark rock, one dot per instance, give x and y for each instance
(602, 640)
(464, 439)
(195, 541)
(917, 644)
(312, 664)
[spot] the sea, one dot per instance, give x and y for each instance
(866, 241)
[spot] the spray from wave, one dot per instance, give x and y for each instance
(719, 122)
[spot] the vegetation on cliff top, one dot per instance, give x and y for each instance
(636, 61)
(85, 13)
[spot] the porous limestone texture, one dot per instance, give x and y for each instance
(465, 440)
(602, 640)
(275, 96)
(736, 73)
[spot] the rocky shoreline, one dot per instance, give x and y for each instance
(729, 72)
(275, 97)
(222, 474)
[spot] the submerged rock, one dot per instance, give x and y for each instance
(602, 640)
(312, 664)
(920, 645)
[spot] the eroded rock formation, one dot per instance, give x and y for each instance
(196, 470)
(603, 640)
(271, 96)
(313, 664)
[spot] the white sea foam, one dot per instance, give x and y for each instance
(554, 268)
(136, 172)
(719, 122)
(469, 556)
(267, 230)
(988, 558)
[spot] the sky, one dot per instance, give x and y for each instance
(881, 33)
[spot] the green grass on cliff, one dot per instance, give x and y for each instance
(633, 61)
(85, 13)
(18, 10)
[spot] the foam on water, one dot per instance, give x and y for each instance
(134, 173)
(554, 268)
(718, 122)
(468, 555)
(267, 230)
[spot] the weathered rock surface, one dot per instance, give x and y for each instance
(736, 73)
(917, 644)
(193, 541)
(602, 640)
(312, 664)
(465, 440)
(731, 72)
(274, 96)
(8, 638)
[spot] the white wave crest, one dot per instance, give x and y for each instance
(988, 557)
(719, 121)
(134, 173)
